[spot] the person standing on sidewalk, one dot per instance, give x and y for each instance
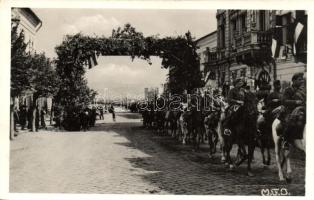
(30, 118)
(101, 115)
(23, 116)
(42, 118)
(16, 119)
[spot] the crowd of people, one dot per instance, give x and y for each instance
(82, 119)
(32, 118)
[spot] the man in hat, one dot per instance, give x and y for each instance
(23, 116)
(236, 94)
(294, 102)
(235, 99)
(274, 98)
(295, 95)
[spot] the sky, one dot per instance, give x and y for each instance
(118, 74)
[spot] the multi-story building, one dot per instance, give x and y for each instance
(151, 94)
(207, 47)
(30, 24)
(259, 46)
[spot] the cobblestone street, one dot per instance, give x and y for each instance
(122, 157)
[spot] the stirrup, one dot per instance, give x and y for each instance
(227, 132)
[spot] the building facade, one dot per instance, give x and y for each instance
(207, 47)
(30, 24)
(259, 46)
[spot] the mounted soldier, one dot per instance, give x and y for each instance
(264, 124)
(288, 129)
(235, 100)
(294, 102)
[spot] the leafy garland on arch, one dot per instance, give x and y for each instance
(76, 51)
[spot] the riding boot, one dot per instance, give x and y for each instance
(285, 136)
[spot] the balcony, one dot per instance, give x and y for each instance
(251, 40)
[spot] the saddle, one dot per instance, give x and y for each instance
(292, 124)
(231, 110)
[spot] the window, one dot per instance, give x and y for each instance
(262, 20)
(234, 26)
(243, 23)
(222, 77)
(221, 29)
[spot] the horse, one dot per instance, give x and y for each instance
(183, 125)
(195, 126)
(221, 105)
(160, 120)
(174, 122)
(211, 130)
(145, 115)
(264, 136)
(240, 129)
(298, 129)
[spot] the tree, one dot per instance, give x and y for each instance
(30, 71)
(20, 63)
(44, 81)
(20, 75)
(76, 51)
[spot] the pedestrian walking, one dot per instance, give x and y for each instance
(111, 110)
(23, 117)
(101, 110)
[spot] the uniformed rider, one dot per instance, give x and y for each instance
(294, 102)
(235, 100)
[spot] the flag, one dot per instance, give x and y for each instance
(92, 61)
(297, 32)
(274, 48)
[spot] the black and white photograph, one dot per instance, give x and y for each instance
(158, 101)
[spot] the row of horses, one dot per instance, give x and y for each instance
(242, 126)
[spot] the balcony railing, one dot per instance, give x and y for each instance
(252, 38)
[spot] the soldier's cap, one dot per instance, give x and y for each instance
(276, 82)
(297, 75)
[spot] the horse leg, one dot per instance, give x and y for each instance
(229, 162)
(241, 154)
(268, 156)
(251, 148)
(215, 134)
(289, 170)
(201, 137)
(262, 152)
(183, 133)
(277, 148)
(209, 138)
(222, 142)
